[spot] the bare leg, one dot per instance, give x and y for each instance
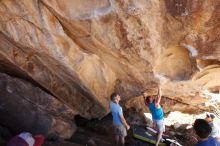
(122, 139)
(116, 140)
(154, 125)
(159, 137)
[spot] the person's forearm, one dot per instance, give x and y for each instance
(124, 121)
(159, 95)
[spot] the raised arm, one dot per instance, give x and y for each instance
(158, 97)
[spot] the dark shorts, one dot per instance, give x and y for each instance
(120, 130)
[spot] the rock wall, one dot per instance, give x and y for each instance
(80, 51)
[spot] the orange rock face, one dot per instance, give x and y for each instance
(81, 51)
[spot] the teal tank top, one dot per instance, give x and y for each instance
(157, 113)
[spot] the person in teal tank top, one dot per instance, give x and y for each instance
(153, 103)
